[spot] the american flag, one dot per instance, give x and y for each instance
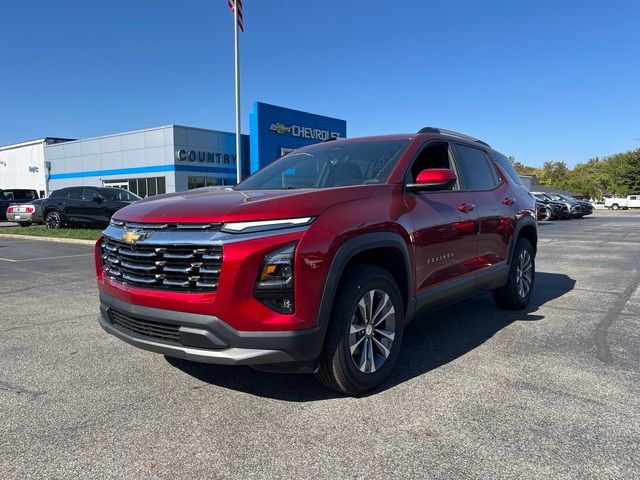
(232, 4)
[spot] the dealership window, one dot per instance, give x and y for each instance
(199, 182)
(143, 187)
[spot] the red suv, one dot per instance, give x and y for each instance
(317, 262)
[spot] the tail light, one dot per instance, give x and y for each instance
(274, 285)
(27, 209)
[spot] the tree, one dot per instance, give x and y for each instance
(617, 174)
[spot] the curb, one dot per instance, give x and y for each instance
(48, 239)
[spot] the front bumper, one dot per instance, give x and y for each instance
(207, 339)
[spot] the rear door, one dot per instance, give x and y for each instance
(495, 204)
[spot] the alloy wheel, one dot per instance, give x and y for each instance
(372, 331)
(53, 221)
(524, 271)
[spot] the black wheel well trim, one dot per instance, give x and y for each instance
(349, 250)
(525, 222)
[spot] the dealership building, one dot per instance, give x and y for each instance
(164, 159)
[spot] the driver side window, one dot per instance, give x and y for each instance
(434, 155)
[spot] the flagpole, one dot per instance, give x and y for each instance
(237, 48)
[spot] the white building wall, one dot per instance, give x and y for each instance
(22, 166)
(96, 160)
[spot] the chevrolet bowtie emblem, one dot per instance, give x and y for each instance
(280, 128)
(132, 237)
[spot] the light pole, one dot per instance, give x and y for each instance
(237, 50)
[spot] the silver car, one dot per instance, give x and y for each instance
(27, 213)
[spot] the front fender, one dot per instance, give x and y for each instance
(349, 250)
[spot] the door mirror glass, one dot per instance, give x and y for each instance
(433, 179)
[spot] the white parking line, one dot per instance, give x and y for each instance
(45, 258)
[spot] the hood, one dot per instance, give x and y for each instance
(216, 204)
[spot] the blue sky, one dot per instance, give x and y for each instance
(545, 80)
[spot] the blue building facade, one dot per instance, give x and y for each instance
(275, 131)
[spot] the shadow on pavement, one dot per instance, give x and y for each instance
(429, 342)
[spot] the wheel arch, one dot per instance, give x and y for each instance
(525, 228)
(384, 249)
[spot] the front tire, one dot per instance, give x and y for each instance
(365, 332)
(516, 294)
(53, 220)
(546, 216)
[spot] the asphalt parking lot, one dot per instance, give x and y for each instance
(550, 392)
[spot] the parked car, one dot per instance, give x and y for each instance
(558, 209)
(615, 203)
(543, 211)
(598, 205)
(14, 195)
(575, 209)
(316, 262)
(86, 206)
(26, 214)
(585, 207)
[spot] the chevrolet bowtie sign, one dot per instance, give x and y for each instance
(303, 132)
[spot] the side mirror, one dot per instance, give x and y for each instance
(433, 179)
(98, 198)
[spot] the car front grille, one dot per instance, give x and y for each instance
(166, 267)
(147, 328)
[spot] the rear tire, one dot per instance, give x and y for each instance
(615, 206)
(365, 332)
(516, 294)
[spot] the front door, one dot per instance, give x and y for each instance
(444, 233)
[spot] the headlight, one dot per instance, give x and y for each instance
(265, 225)
(274, 285)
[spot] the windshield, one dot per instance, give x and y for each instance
(540, 197)
(330, 164)
(555, 197)
(119, 194)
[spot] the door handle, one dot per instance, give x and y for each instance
(508, 201)
(466, 207)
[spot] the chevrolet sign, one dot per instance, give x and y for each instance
(303, 132)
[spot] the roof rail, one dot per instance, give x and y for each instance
(453, 134)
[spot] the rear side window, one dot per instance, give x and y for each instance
(476, 168)
(74, 193)
(506, 166)
(89, 193)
